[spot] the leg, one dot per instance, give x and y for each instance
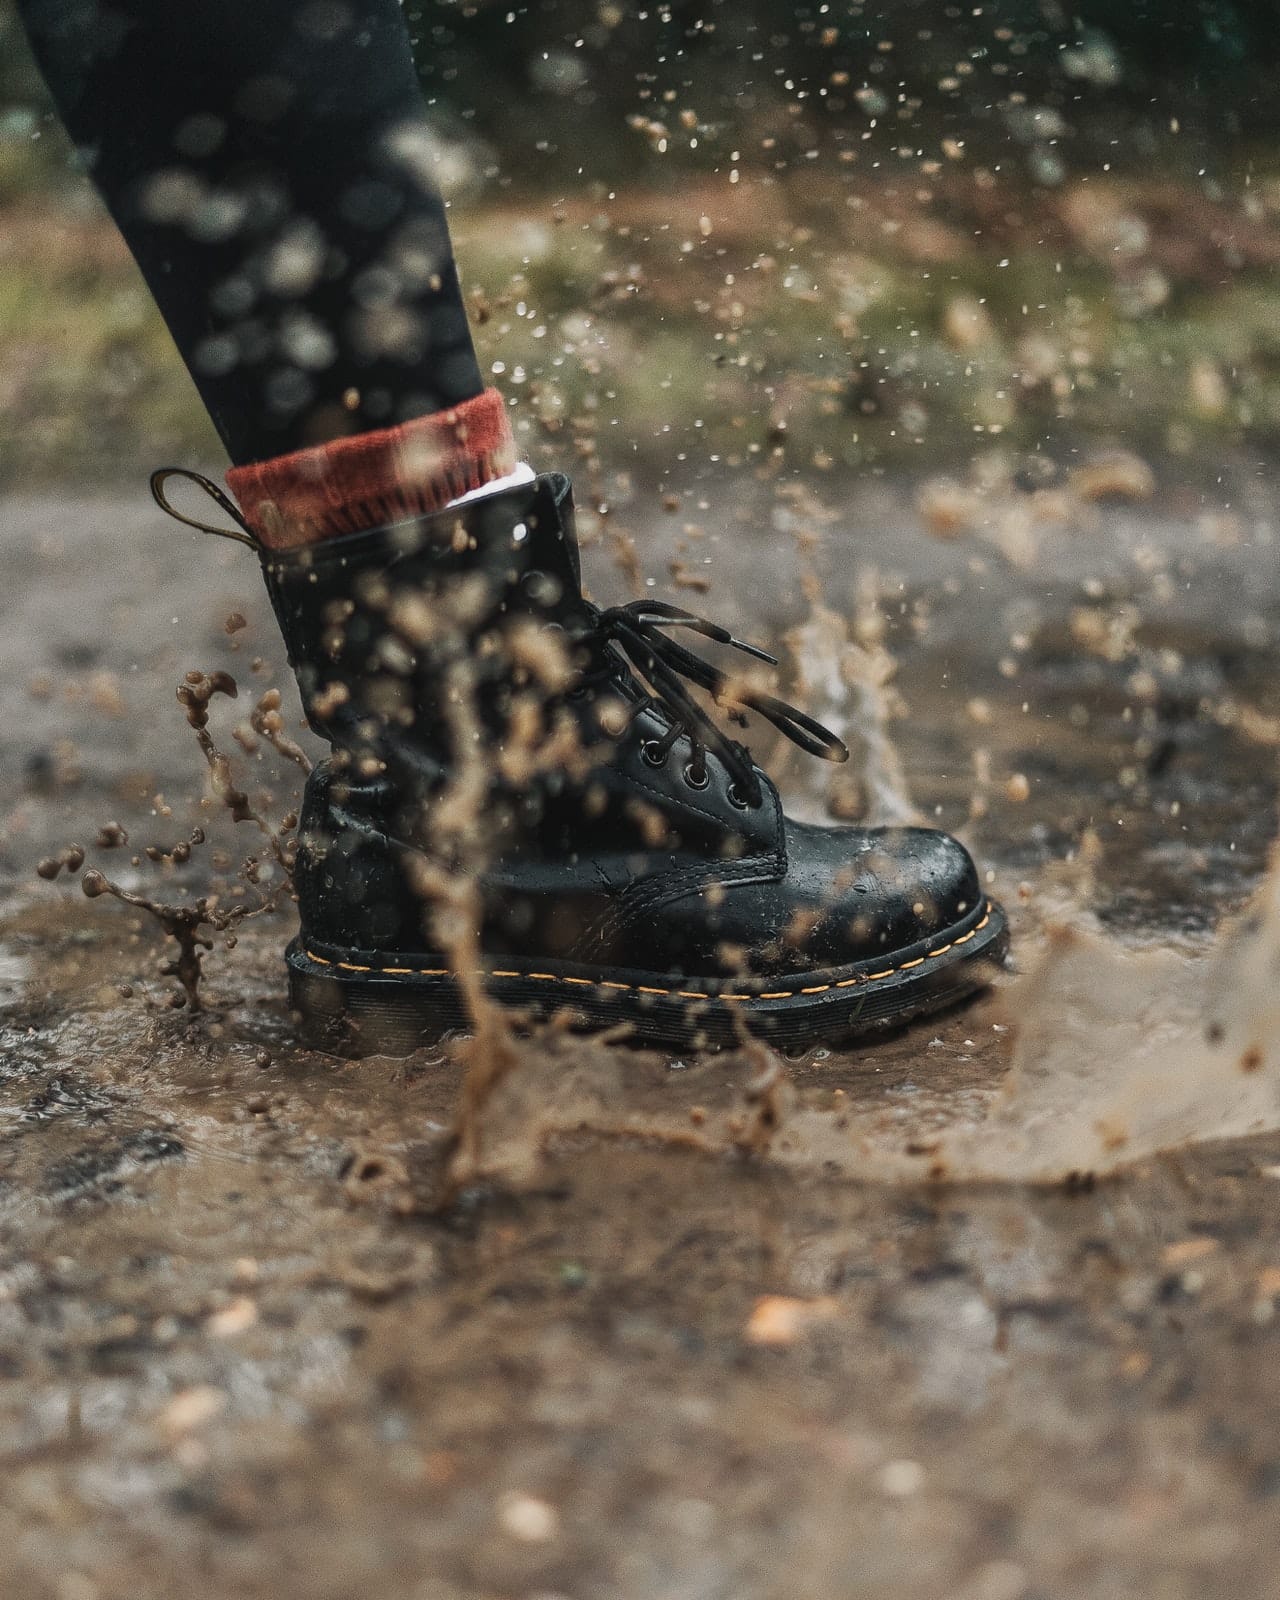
(268, 164)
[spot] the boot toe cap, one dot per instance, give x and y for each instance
(847, 895)
(861, 893)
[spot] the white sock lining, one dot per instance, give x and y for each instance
(523, 473)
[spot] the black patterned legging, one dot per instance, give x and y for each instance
(269, 165)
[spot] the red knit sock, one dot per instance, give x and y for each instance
(371, 479)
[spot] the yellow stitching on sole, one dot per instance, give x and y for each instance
(683, 994)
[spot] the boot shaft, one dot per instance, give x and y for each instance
(384, 627)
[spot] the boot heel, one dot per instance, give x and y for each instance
(348, 1014)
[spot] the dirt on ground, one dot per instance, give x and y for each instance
(666, 1344)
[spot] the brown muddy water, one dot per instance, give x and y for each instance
(665, 1349)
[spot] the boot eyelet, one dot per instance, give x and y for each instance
(692, 778)
(653, 754)
(737, 798)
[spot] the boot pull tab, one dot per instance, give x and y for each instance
(223, 501)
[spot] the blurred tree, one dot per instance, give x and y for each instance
(555, 90)
(27, 159)
(551, 84)
(17, 75)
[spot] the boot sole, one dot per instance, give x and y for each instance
(356, 1003)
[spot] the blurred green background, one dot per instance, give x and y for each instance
(845, 236)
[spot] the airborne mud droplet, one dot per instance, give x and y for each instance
(189, 924)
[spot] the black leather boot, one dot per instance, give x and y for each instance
(636, 864)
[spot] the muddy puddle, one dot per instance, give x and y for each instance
(855, 1323)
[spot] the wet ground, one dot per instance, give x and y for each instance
(661, 1353)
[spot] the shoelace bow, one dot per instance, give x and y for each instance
(661, 663)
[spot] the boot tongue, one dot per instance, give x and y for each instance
(553, 538)
(529, 531)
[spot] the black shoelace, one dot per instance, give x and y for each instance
(632, 636)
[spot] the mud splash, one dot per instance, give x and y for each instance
(188, 924)
(845, 678)
(1114, 1053)
(1098, 1059)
